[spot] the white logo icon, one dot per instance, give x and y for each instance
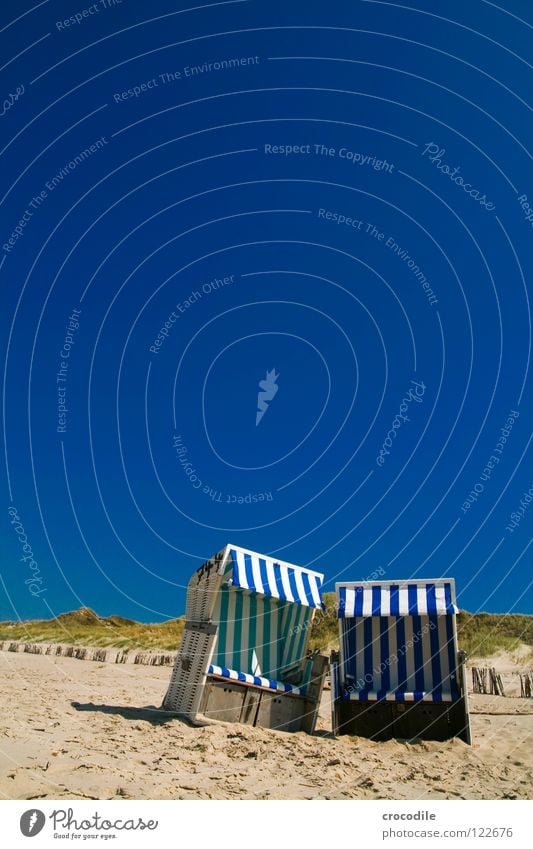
(268, 388)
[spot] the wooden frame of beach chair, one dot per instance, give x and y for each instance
(244, 652)
(398, 672)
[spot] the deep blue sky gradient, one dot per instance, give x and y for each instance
(181, 193)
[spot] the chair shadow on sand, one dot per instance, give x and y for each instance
(150, 713)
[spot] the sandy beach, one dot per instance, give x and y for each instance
(87, 730)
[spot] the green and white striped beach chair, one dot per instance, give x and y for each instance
(244, 653)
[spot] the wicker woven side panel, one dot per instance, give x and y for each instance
(186, 686)
(188, 676)
(204, 587)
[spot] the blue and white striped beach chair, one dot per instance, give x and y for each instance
(398, 672)
(244, 652)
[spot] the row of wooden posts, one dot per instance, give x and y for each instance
(484, 680)
(526, 685)
(489, 682)
(102, 655)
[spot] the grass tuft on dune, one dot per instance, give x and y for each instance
(480, 634)
(85, 628)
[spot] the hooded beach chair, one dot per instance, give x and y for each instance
(398, 672)
(244, 653)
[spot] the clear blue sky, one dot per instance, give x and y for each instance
(339, 192)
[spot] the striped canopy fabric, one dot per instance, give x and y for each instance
(258, 634)
(420, 598)
(271, 578)
(398, 641)
(263, 612)
(257, 680)
(407, 658)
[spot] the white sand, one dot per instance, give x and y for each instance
(115, 747)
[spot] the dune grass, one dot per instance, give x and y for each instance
(85, 628)
(480, 634)
(325, 628)
(485, 634)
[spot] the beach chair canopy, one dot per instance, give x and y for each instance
(398, 641)
(269, 577)
(262, 613)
